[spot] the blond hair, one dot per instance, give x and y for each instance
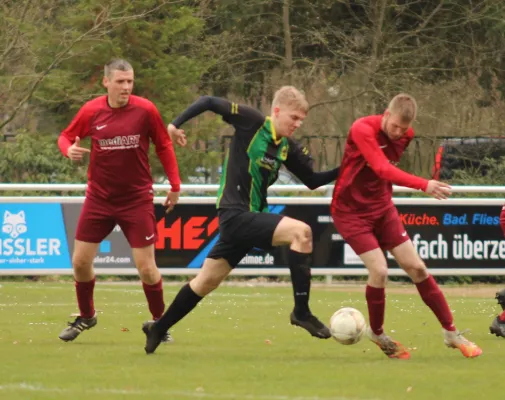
(116, 64)
(290, 97)
(404, 106)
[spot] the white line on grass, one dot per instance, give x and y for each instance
(28, 387)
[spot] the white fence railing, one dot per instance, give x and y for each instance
(324, 198)
(192, 188)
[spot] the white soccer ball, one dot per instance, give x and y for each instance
(347, 325)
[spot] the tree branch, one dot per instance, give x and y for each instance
(322, 103)
(14, 41)
(420, 27)
(101, 19)
(288, 44)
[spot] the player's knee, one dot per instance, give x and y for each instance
(148, 271)
(379, 276)
(81, 264)
(417, 271)
(303, 235)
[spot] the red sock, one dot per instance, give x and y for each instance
(502, 316)
(84, 291)
(154, 296)
(376, 301)
(435, 299)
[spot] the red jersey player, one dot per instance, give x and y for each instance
(365, 216)
(120, 190)
(498, 325)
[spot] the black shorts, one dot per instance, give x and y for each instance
(240, 231)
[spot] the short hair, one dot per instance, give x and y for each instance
(116, 64)
(404, 106)
(291, 97)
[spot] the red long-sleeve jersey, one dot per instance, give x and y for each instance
(368, 171)
(119, 168)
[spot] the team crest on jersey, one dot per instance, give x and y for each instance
(284, 153)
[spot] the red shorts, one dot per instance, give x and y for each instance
(502, 220)
(98, 218)
(385, 231)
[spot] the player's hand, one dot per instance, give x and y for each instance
(171, 201)
(76, 152)
(177, 135)
(439, 190)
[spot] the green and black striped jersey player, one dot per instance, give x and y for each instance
(260, 146)
(255, 156)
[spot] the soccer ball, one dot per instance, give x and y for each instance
(347, 325)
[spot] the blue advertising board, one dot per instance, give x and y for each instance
(40, 236)
(33, 237)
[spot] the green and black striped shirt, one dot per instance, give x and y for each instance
(255, 155)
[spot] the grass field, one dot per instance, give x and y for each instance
(238, 344)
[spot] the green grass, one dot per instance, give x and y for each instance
(221, 350)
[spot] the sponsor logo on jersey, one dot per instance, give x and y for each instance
(120, 142)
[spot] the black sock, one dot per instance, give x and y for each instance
(182, 305)
(299, 265)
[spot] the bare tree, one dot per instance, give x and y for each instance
(34, 43)
(288, 44)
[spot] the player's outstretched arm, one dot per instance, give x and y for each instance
(300, 163)
(322, 178)
(238, 115)
(314, 180)
(217, 105)
(364, 137)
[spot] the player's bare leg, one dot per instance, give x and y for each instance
(84, 275)
(152, 284)
(408, 258)
(146, 264)
(376, 264)
(150, 276)
(210, 276)
(298, 235)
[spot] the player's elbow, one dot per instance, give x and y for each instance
(63, 145)
(162, 148)
(315, 181)
(311, 184)
(381, 171)
(206, 100)
(210, 103)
